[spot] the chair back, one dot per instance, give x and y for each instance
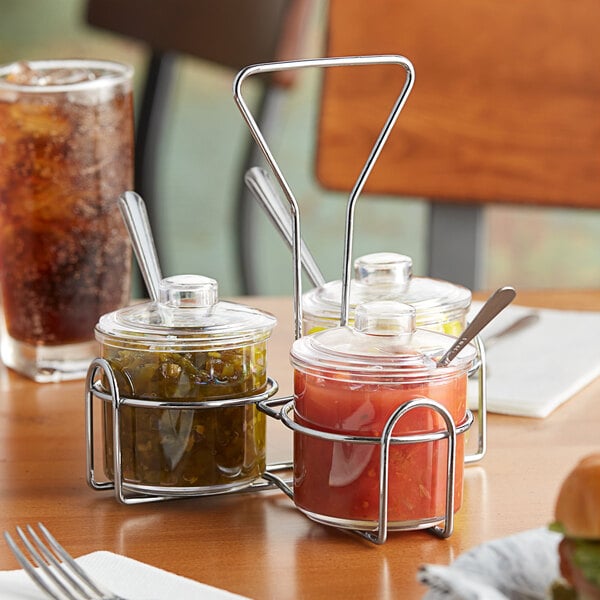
(505, 106)
(230, 33)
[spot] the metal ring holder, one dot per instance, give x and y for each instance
(385, 442)
(123, 491)
(387, 439)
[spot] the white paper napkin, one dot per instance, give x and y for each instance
(535, 370)
(123, 576)
(520, 566)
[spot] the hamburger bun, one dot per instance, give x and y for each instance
(577, 517)
(578, 504)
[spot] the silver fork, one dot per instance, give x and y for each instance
(58, 575)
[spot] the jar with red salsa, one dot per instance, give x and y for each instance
(350, 380)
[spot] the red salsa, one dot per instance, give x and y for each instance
(340, 480)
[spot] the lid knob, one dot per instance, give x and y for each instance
(386, 268)
(386, 317)
(183, 291)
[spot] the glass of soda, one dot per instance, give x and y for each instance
(66, 154)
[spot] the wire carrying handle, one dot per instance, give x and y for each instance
(344, 61)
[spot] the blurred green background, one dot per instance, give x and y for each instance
(201, 160)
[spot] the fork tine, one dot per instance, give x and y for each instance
(27, 566)
(61, 567)
(57, 573)
(69, 560)
(44, 562)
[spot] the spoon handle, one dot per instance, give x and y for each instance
(260, 185)
(135, 215)
(496, 303)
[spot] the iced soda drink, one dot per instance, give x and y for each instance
(66, 153)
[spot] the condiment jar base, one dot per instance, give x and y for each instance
(373, 525)
(191, 491)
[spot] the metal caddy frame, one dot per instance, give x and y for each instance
(265, 401)
(270, 479)
(385, 442)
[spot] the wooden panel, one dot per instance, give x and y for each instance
(505, 107)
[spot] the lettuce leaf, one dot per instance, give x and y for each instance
(586, 555)
(587, 558)
(557, 526)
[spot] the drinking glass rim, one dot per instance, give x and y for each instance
(118, 73)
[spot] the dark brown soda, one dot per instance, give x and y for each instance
(64, 252)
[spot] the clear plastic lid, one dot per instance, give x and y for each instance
(388, 276)
(382, 346)
(188, 315)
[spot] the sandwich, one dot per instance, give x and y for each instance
(577, 518)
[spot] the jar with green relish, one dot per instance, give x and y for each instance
(440, 305)
(187, 347)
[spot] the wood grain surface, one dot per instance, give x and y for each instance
(259, 545)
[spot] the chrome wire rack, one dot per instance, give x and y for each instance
(126, 493)
(282, 409)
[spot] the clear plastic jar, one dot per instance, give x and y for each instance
(350, 380)
(440, 305)
(188, 347)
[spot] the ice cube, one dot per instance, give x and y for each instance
(67, 76)
(23, 74)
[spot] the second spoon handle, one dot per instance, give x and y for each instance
(260, 185)
(134, 212)
(496, 303)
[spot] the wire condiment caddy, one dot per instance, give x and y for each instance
(102, 384)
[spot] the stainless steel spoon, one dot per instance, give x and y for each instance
(135, 215)
(260, 185)
(495, 304)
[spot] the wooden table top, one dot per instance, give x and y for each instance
(259, 545)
